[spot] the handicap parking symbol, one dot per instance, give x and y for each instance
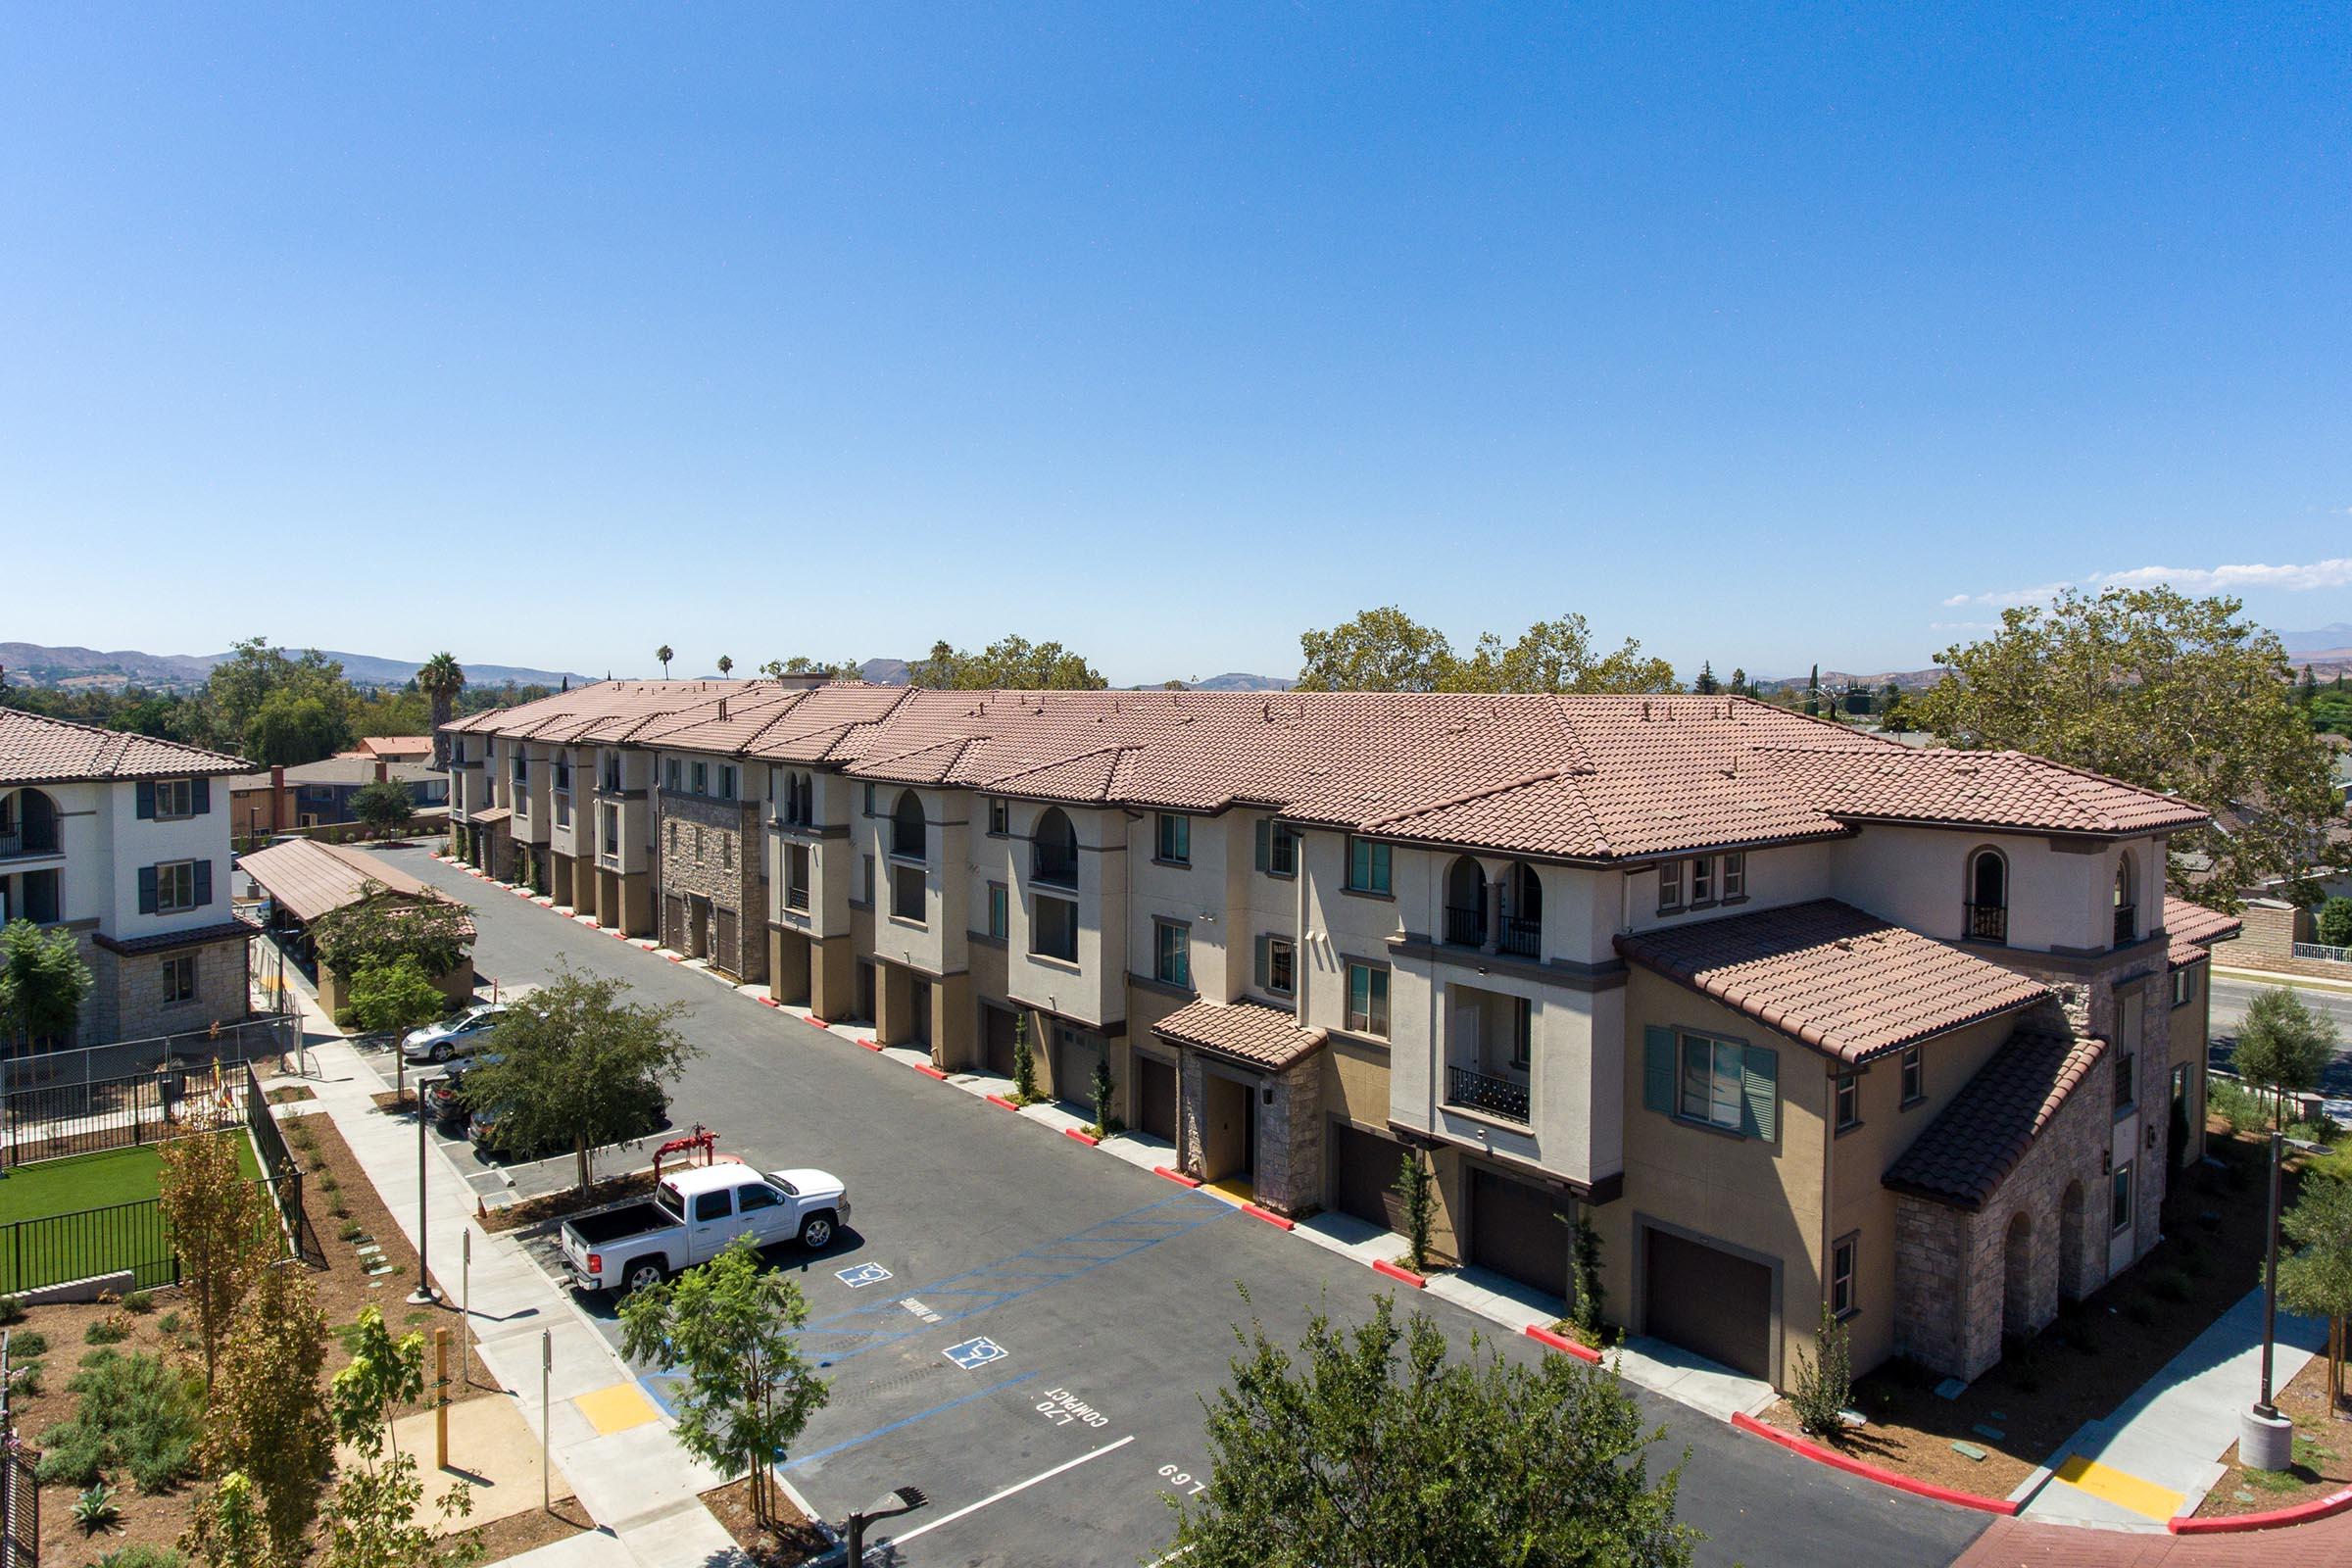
(975, 1353)
(862, 1274)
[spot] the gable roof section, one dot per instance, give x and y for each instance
(1846, 983)
(38, 750)
(1976, 789)
(311, 879)
(2195, 929)
(1247, 1031)
(1969, 1149)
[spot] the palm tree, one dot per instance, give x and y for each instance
(664, 653)
(725, 665)
(441, 678)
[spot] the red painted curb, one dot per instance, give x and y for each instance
(1561, 1342)
(1000, 1100)
(927, 1070)
(2334, 1504)
(1176, 1176)
(1088, 1139)
(673, 957)
(1396, 1271)
(1269, 1216)
(769, 1001)
(818, 1022)
(1871, 1472)
(869, 1045)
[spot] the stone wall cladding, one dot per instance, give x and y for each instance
(221, 991)
(727, 874)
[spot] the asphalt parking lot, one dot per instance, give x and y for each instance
(1025, 1327)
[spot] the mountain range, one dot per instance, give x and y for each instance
(32, 664)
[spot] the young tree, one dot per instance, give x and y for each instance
(2336, 922)
(726, 665)
(578, 1066)
(384, 805)
(392, 998)
(1024, 1063)
(222, 1229)
(1824, 1379)
(731, 1326)
(1102, 1089)
(2316, 1280)
(1371, 1446)
(2283, 1046)
(42, 982)
(1706, 685)
(1586, 1297)
(1416, 1188)
(376, 1519)
(267, 1419)
(664, 653)
(441, 678)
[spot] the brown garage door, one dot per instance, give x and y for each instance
(1363, 1176)
(1155, 1096)
(1512, 1232)
(1705, 1300)
(998, 1022)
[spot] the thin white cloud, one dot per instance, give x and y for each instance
(1964, 625)
(2008, 596)
(2316, 574)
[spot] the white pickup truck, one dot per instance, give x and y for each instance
(694, 1215)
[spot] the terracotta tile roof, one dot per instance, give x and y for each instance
(1989, 789)
(1825, 973)
(309, 878)
(233, 929)
(1247, 1031)
(35, 750)
(397, 745)
(2195, 929)
(492, 813)
(1966, 1153)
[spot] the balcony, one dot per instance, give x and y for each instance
(1465, 928)
(1056, 867)
(2126, 926)
(1499, 1098)
(20, 840)
(1988, 922)
(1523, 938)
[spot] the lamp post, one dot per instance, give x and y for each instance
(422, 1295)
(2265, 1439)
(901, 1499)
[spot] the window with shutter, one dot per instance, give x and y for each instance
(204, 883)
(1761, 1117)
(147, 893)
(1657, 1070)
(144, 791)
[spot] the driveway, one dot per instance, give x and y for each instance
(1025, 1327)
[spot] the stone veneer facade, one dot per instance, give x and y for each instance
(715, 855)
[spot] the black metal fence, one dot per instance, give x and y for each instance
(62, 1119)
(282, 1172)
(263, 1038)
(19, 1506)
(121, 1238)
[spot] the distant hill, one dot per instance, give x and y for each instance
(2335, 639)
(1910, 680)
(1237, 682)
(32, 664)
(886, 672)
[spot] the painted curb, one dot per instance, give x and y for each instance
(1000, 1100)
(869, 1045)
(1269, 1216)
(818, 1022)
(1871, 1472)
(1398, 1271)
(1176, 1176)
(1562, 1344)
(1088, 1139)
(2334, 1504)
(927, 1070)
(769, 1002)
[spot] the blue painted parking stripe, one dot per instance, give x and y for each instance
(905, 1421)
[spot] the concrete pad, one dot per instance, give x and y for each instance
(2121, 1488)
(492, 1452)
(628, 1477)
(616, 1408)
(590, 1548)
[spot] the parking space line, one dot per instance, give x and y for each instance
(1000, 1497)
(905, 1421)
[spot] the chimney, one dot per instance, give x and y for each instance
(277, 796)
(383, 770)
(723, 707)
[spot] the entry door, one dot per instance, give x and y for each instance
(918, 995)
(1512, 1232)
(1706, 1300)
(1155, 1096)
(1363, 1176)
(996, 1024)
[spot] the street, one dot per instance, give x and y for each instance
(2231, 996)
(1025, 1327)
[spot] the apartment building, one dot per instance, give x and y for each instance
(125, 841)
(1792, 1015)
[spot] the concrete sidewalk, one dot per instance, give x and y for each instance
(2160, 1452)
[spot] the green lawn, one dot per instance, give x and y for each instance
(47, 1253)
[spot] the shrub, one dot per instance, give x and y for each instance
(12, 1309)
(2336, 922)
(111, 1329)
(350, 1231)
(139, 1301)
(29, 1378)
(134, 1412)
(329, 1184)
(168, 1322)
(2169, 1285)
(139, 1554)
(338, 1208)
(1824, 1379)
(96, 1509)
(2236, 1105)
(28, 1346)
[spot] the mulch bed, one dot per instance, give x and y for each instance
(2097, 1354)
(2323, 1454)
(549, 1207)
(791, 1540)
(290, 1093)
(518, 1533)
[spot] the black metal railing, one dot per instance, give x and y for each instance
(121, 1238)
(1465, 928)
(19, 839)
(2127, 925)
(62, 1119)
(1522, 937)
(1989, 922)
(1058, 866)
(1494, 1096)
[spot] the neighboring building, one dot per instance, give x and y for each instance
(1793, 1015)
(305, 880)
(124, 840)
(319, 794)
(398, 748)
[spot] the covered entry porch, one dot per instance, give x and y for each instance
(1248, 1101)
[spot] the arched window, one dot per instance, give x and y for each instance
(1466, 904)
(27, 823)
(2126, 901)
(1523, 919)
(908, 835)
(1987, 897)
(1054, 849)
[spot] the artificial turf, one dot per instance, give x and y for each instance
(42, 1254)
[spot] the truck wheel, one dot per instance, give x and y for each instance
(816, 1231)
(643, 1275)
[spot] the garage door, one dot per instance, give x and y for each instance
(1705, 1300)
(1155, 1096)
(1363, 1176)
(1512, 1232)
(998, 1022)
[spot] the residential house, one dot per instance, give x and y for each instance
(319, 794)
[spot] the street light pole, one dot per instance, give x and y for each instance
(899, 1501)
(2265, 1439)
(422, 1295)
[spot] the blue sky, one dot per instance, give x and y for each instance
(548, 334)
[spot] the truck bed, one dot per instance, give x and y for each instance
(612, 1224)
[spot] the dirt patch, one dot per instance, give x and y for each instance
(552, 1206)
(790, 1541)
(2323, 1455)
(2092, 1358)
(395, 1101)
(523, 1532)
(288, 1093)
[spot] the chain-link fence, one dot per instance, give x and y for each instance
(267, 1038)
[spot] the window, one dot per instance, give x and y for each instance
(906, 892)
(999, 818)
(702, 778)
(1734, 875)
(759, 1195)
(2126, 1081)
(174, 887)
(669, 774)
(562, 772)
(1849, 1101)
(2184, 987)
(1702, 882)
(2126, 903)
(796, 877)
(697, 846)
(1053, 933)
(1172, 953)
(866, 882)
(563, 810)
(1175, 838)
(1523, 1033)
(613, 773)
(611, 821)
(726, 851)
(1915, 1074)
(1000, 911)
(1367, 867)
(1713, 1071)
(1987, 897)
(2120, 1199)
(726, 781)
(1277, 849)
(174, 796)
(674, 836)
(522, 767)
(712, 1205)
(1368, 999)
(180, 978)
(1842, 1275)
(1670, 887)
(869, 800)
(1277, 966)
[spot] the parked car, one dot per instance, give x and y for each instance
(695, 1214)
(444, 1098)
(482, 1121)
(460, 1036)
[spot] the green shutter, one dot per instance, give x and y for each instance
(204, 883)
(1657, 1070)
(1265, 962)
(1265, 844)
(143, 794)
(200, 796)
(147, 890)
(1760, 1094)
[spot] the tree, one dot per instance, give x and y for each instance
(375, 1520)
(42, 982)
(664, 653)
(803, 664)
(1738, 681)
(1416, 1189)
(578, 1066)
(1024, 1061)
(2162, 691)
(1557, 656)
(267, 1419)
(1101, 1088)
(747, 1392)
(1371, 1446)
(1010, 664)
(228, 1529)
(2309, 690)
(2336, 922)
(1706, 684)
(1824, 1379)
(2316, 1280)
(441, 677)
(1385, 650)
(1895, 711)
(392, 998)
(222, 1229)
(1382, 650)
(1587, 1300)
(239, 686)
(290, 730)
(726, 665)
(379, 928)
(2283, 1046)
(384, 805)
